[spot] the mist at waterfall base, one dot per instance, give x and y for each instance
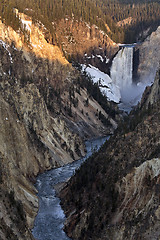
(131, 95)
(119, 86)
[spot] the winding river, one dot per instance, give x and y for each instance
(50, 218)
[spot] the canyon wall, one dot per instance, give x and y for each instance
(147, 58)
(115, 195)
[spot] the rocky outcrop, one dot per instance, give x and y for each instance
(151, 94)
(140, 202)
(126, 22)
(148, 58)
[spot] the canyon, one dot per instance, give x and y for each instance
(48, 109)
(45, 116)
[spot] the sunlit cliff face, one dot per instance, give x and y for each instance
(34, 39)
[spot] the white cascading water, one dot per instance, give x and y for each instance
(119, 86)
(121, 72)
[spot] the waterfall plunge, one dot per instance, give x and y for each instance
(121, 73)
(119, 87)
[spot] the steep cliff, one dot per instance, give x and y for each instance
(151, 94)
(115, 194)
(147, 58)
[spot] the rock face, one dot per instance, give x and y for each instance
(44, 115)
(115, 195)
(148, 57)
(151, 94)
(31, 141)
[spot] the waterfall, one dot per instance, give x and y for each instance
(121, 72)
(119, 86)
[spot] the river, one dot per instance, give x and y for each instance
(50, 219)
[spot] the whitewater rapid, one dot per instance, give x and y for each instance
(50, 219)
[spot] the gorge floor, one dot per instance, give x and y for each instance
(50, 219)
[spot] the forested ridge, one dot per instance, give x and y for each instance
(52, 11)
(144, 14)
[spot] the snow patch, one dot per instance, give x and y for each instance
(28, 9)
(26, 24)
(6, 46)
(87, 25)
(101, 58)
(102, 32)
(105, 83)
(34, 45)
(107, 60)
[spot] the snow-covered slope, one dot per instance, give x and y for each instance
(105, 83)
